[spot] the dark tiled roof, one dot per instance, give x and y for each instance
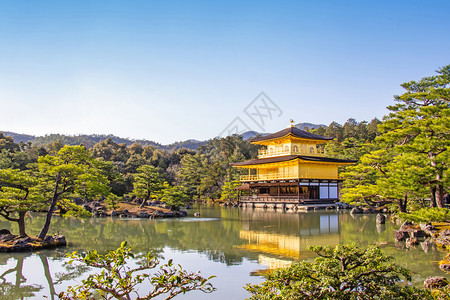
(291, 157)
(294, 131)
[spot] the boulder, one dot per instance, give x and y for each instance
(96, 204)
(114, 213)
(157, 214)
(428, 228)
(381, 219)
(356, 210)
(401, 235)
(87, 207)
(143, 215)
(445, 267)
(412, 241)
(4, 231)
(417, 234)
(368, 211)
(188, 206)
(405, 225)
(435, 282)
(182, 213)
(197, 214)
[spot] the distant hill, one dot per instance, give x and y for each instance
(251, 134)
(309, 126)
(89, 140)
(20, 137)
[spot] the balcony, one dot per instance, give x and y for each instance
(282, 152)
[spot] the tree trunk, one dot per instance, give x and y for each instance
(21, 223)
(402, 204)
(50, 210)
(143, 203)
(440, 196)
(433, 196)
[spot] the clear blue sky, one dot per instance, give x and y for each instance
(174, 70)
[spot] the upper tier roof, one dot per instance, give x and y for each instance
(293, 131)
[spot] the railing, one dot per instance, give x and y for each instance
(263, 153)
(281, 199)
(282, 176)
(271, 176)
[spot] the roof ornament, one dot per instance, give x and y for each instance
(292, 123)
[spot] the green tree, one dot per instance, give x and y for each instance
(419, 126)
(174, 196)
(411, 154)
(19, 193)
(229, 191)
(148, 183)
(118, 281)
(71, 172)
(342, 272)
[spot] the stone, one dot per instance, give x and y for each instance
(125, 211)
(417, 234)
(428, 228)
(412, 241)
(197, 214)
(96, 204)
(401, 235)
(87, 207)
(381, 219)
(114, 213)
(356, 210)
(368, 211)
(405, 225)
(435, 282)
(143, 215)
(188, 206)
(157, 214)
(182, 213)
(444, 233)
(445, 267)
(4, 231)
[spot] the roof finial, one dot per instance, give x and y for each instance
(292, 123)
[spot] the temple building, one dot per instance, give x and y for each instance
(292, 169)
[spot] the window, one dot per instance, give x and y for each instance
(286, 148)
(311, 150)
(271, 150)
(295, 149)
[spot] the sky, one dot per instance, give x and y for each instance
(175, 70)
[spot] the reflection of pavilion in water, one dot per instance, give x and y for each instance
(280, 250)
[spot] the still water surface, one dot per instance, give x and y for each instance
(236, 245)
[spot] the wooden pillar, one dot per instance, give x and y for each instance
(278, 192)
(298, 189)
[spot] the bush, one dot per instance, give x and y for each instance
(117, 281)
(343, 272)
(425, 215)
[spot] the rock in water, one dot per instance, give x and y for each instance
(381, 219)
(435, 282)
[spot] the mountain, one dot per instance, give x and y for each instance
(20, 137)
(89, 140)
(251, 134)
(309, 126)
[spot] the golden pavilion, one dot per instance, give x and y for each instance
(291, 169)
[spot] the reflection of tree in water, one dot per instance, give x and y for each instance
(17, 290)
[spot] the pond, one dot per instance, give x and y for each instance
(237, 245)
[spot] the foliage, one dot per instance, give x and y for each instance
(174, 197)
(410, 157)
(119, 281)
(71, 172)
(148, 183)
(343, 272)
(229, 191)
(425, 215)
(19, 193)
